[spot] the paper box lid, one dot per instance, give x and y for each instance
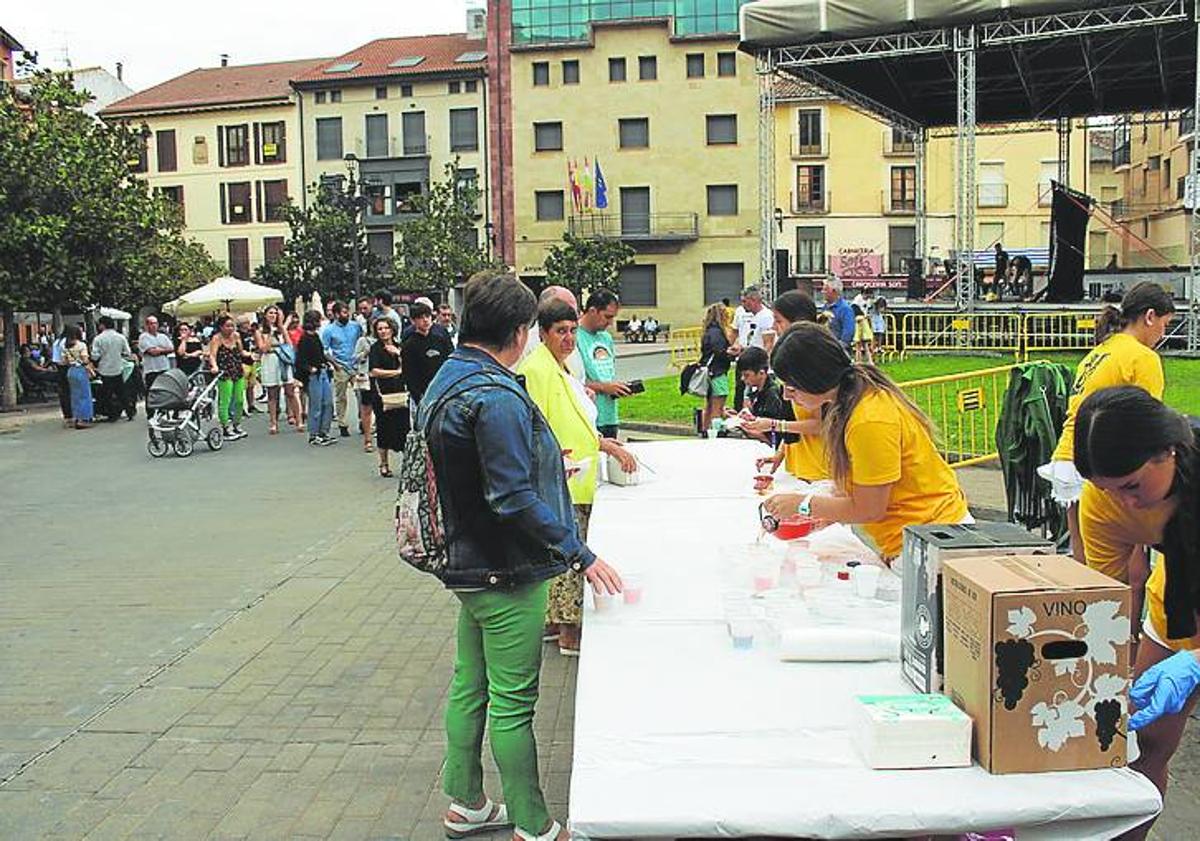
(1029, 573)
(974, 535)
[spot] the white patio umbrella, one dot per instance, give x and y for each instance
(224, 293)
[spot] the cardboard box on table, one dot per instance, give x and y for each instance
(1037, 653)
(926, 549)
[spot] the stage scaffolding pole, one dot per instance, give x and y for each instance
(964, 205)
(1193, 290)
(765, 67)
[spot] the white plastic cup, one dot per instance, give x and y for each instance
(866, 580)
(604, 602)
(741, 633)
(631, 589)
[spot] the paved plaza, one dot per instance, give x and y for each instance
(227, 647)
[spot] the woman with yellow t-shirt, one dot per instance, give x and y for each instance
(888, 472)
(1124, 356)
(803, 455)
(1143, 470)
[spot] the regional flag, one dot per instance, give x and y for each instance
(589, 186)
(573, 181)
(601, 188)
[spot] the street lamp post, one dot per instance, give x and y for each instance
(356, 198)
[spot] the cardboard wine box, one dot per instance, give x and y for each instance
(1037, 653)
(926, 548)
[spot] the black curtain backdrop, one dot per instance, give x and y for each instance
(1069, 214)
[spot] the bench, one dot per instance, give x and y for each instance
(641, 336)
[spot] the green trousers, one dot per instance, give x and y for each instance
(496, 682)
(230, 394)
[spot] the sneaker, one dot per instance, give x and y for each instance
(345, 431)
(315, 440)
(239, 432)
(326, 440)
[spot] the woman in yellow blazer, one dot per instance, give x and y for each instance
(882, 457)
(572, 417)
(1124, 356)
(1143, 470)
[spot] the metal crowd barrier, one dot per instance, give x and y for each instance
(1058, 331)
(959, 332)
(685, 346)
(965, 409)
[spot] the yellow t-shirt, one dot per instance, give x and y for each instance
(1118, 360)
(1111, 531)
(889, 446)
(806, 459)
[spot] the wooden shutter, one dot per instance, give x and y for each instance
(257, 147)
(282, 142)
(258, 192)
(220, 145)
(224, 205)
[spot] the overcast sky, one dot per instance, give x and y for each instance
(157, 41)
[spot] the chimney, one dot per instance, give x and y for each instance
(476, 24)
(120, 71)
(224, 59)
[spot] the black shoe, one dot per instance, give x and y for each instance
(325, 441)
(345, 431)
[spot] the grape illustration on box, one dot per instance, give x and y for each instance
(1083, 654)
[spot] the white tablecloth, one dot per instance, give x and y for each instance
(677, 734)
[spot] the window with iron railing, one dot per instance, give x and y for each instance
(904, 189)
(808, 131)
(810, 188)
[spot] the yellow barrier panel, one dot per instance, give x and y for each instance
(965, 409)
(685, 346)
(887, 346)
(956, 332)
(1059, 331)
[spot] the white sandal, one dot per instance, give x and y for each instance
(477, 820)
(550, 834)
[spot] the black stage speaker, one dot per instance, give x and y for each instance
(916, 279)
(781, 267)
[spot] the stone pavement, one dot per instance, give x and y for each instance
(227, 647)
(224, 646)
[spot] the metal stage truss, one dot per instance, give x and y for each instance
(1112, 73)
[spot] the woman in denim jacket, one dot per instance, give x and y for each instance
(509, 530)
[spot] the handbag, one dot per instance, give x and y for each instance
(286, 354)
(392, 400)
(699, 381)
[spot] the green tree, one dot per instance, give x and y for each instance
(77, 227)
(586, 263)
(319, 255)
(440, 247)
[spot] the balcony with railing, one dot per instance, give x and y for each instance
(897, 205)
(1045, 193)
(810, 205)
(898, 144)
(636, 227)
(991, 195)
(1121, 152)
(807, 146)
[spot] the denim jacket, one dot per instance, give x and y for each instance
(501, 484)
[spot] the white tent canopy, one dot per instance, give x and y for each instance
(223, 294)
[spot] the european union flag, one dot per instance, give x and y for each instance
(601, 188)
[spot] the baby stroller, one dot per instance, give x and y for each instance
(178, 407)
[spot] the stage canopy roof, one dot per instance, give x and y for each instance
(1036, 59)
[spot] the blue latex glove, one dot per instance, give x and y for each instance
(1164, 688)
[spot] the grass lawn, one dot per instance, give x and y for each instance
(662, 402)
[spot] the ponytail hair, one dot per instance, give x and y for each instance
(810, 359)
(1140, 299)
(1117, 431)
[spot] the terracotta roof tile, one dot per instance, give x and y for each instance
(209, 86)
(376, 59)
